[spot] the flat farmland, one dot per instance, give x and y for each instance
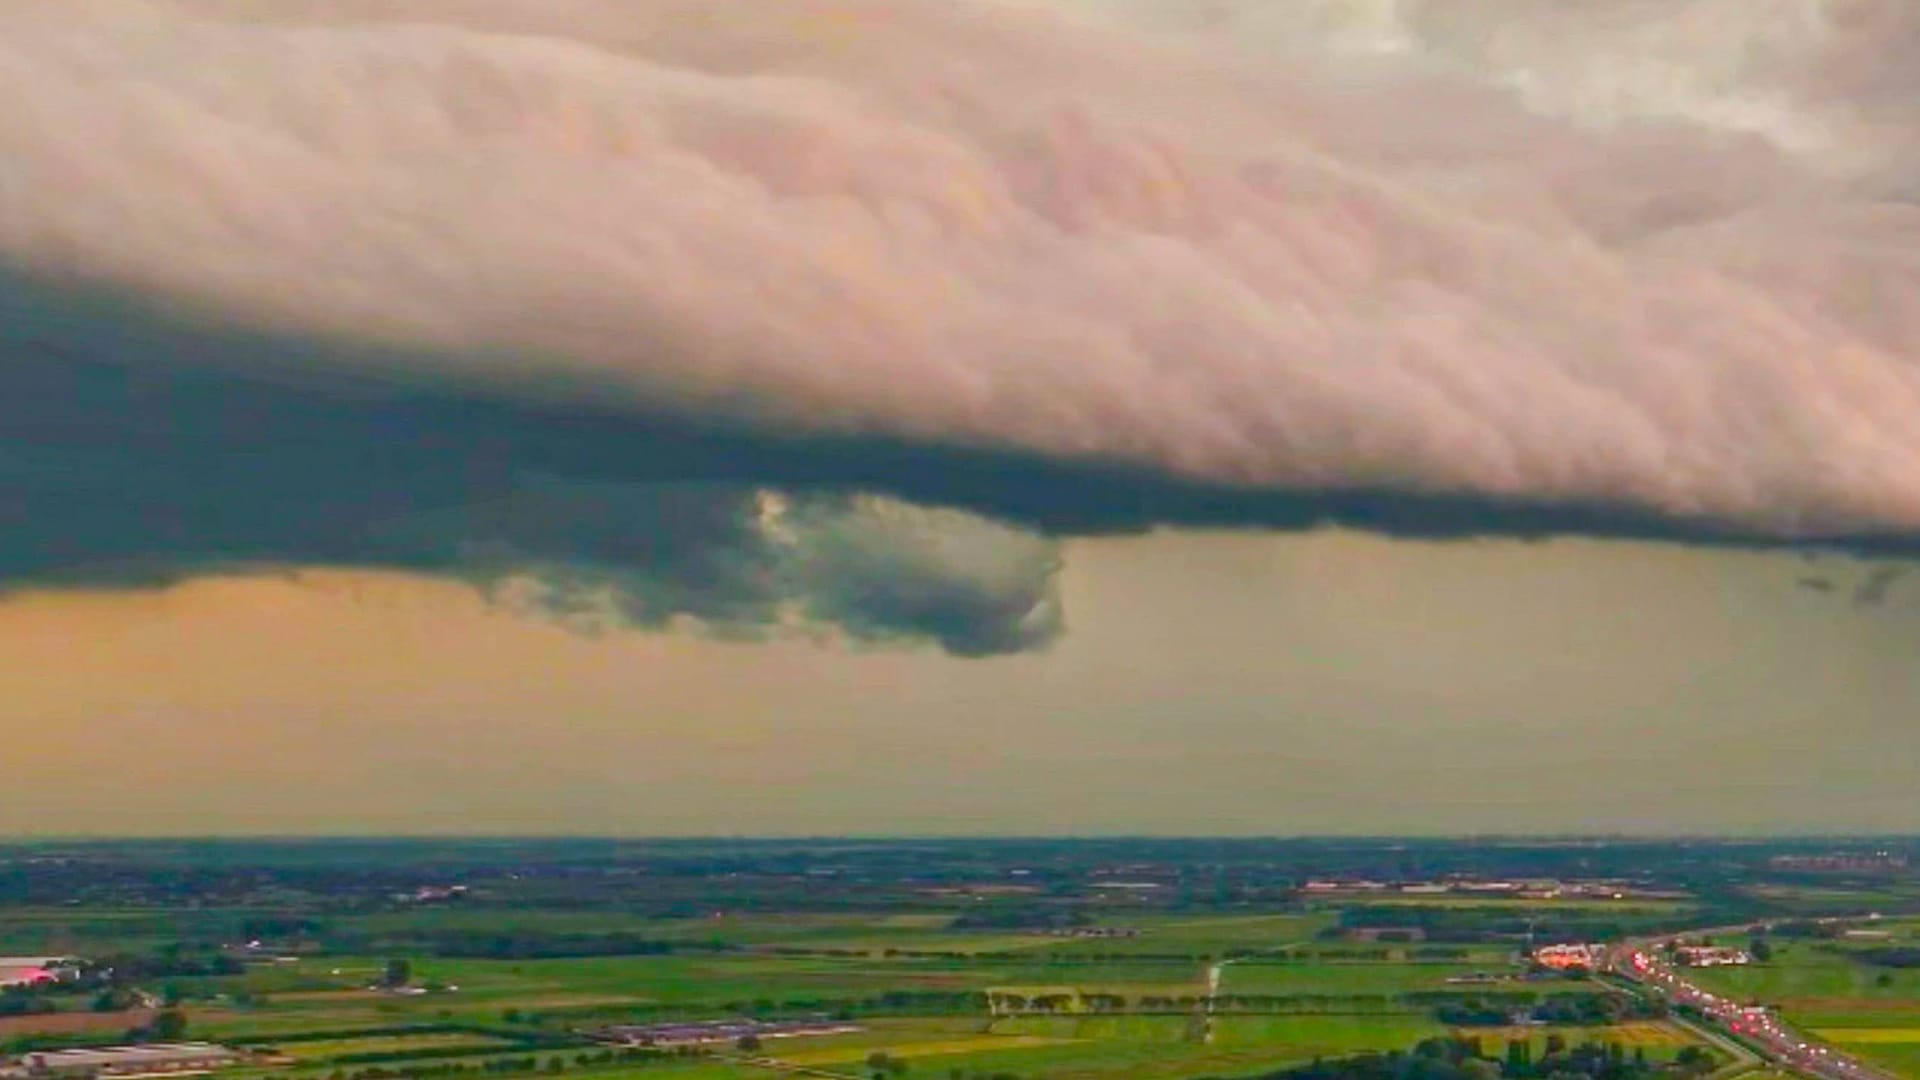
(1324, 977)
(1290, 1037)
(74, 1023)
(336, 1049)
(1803, 978)
(1896, 1048)
(1212, 936)
(1884, 1032)
(1157, 934)
(1658, 1038)
(557, 982)
(912, 980)
(1861, 1008)
(1623, 906)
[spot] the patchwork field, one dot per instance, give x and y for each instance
(349, 1048)
(1357, 978)
(1828, 990)
(1292, 990)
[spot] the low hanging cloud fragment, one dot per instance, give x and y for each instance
(840, 311)
(120, 477)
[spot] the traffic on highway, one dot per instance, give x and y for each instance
(1755, 1026)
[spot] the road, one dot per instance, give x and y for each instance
(1214, 974)
(1756, 1026)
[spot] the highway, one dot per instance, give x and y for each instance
(1754, 1025)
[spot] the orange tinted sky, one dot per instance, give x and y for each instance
(1207, 683)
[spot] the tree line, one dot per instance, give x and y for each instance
(1466, 1059)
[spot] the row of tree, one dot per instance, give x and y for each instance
(1566, 1009)
(514, 1066)
(1465, 1059)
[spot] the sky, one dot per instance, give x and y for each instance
(1208, 683)
(958, 416)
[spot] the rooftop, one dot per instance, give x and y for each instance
(124, 1056)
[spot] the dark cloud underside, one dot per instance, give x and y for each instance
(844, 313)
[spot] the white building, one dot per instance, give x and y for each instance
(152, 1059)
(1710, 956)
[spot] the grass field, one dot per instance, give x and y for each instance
(1861, 1008)
(1805, 979)
(1897, 1048)
(1352, 977)
(321, 1013)
(334, 1049)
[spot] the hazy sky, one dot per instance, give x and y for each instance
(958, 415)
(1237, 683)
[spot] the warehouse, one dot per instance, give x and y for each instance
(158, 1059)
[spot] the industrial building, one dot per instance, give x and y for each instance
(1710, 956)
(155, 1059)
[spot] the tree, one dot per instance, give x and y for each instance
(399, 972)
(1478, 1068)
(1761, 950)
(748, 1043)
(1519, 1056)
(1694, 1060)
(170, 1025)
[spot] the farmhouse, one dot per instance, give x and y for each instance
(1710, 956)
(155, 1059)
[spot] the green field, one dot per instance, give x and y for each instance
(310, 1050)
(1861, 1008)
(1358, 978)
(912, 978)
(1805, 979)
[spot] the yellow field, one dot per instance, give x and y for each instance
(1870, 1035)
(963, 1045)
(1646, 1033)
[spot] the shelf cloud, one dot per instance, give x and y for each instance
(843, 311)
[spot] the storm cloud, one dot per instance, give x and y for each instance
(840, 310)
